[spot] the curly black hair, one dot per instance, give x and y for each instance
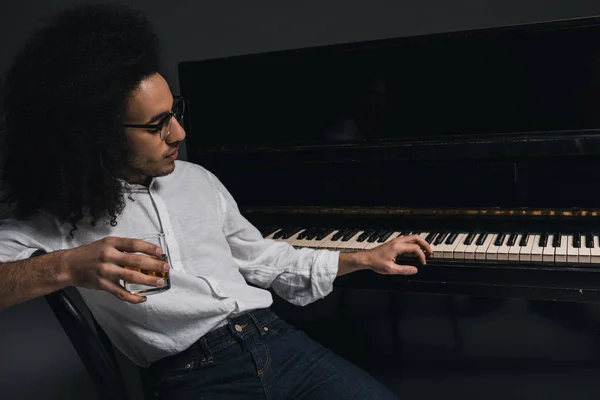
(64, 99)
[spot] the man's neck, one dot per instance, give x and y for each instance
(146, 181)
(138, 179)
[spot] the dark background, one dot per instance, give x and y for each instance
(37, 361)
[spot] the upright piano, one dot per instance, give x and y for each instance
(485, 143)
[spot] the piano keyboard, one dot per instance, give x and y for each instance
(512, 247)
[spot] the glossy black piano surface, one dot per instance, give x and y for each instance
(490, 132)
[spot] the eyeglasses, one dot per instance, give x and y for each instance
(163, 127)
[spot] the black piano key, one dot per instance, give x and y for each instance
(340, 234)
(556, 240)
(304, 234)
(267, 230)
(280, 234)
(291, 232)
(469, 238)
(385, 236)
(589, 240)
(365, 235)
(577, 240)
(481, 239)
(314, 234)
(511, 239)
(500, 239)
(440, 238)
(452, 238)
(543, 242)
(324, 232)
(524, 240)
(375, 236)
(321, 233)
(405, 233)
(429, 238)
(349, 235)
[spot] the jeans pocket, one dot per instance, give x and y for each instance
(173, 378)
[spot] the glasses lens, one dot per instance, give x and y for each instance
(166, 128)
(178, 110)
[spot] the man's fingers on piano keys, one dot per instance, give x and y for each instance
(416, 249)
(425, 247)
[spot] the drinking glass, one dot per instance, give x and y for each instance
(145, 290)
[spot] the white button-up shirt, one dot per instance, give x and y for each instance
(214, 252)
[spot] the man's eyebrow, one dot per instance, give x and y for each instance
(157, 117)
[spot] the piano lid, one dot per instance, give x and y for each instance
(529, 78)
(493, 118)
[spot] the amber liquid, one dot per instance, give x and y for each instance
(136, 288)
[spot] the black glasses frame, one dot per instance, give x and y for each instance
(180, 102)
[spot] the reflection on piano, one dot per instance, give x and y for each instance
(486, 143)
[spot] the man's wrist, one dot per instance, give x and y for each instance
(62, 270)
(352, 261)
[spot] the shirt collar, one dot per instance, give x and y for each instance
(135, 187)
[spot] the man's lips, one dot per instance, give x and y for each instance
(173, 154)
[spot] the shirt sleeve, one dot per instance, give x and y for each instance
(19, 239)
(300, 276)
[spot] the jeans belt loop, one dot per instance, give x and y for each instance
(206, 349)
(260, 328)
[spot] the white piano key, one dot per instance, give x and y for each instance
(537, 252)
(481, 251)
(560, 252)
(595, 251)
(584, 252)
(353, 244)
(525, 251)
(502, 253)
(329, 244)
(549, 250)
(377, 243)
(448, 251)
(470, 250)
(438, 250)
(515, 250)
(366, 244)
(392, 236)
(572, 251)
(316, 243)
(293, 240)
(298, 243)
(459, 250)
(270, 236)
(492, 251)
(372, 245)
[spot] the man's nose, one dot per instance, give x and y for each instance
(177, 132)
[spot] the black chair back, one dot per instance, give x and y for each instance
(94, 348)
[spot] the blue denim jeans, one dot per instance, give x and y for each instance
(259, 356)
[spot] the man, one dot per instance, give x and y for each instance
(92, 134)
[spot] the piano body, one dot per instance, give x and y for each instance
(486, 143)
